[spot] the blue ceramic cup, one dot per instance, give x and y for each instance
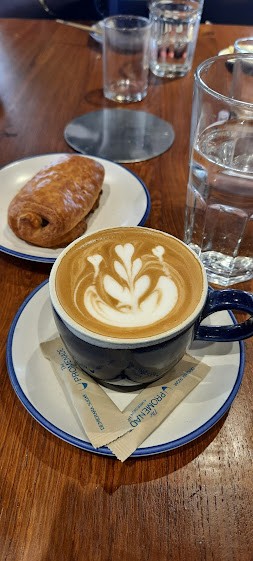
(129, 301)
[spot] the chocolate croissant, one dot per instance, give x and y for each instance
(51, 209)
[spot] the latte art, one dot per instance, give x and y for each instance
(139, 287)
(136, 301)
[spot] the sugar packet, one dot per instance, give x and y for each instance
(103, 422)
(149, 409)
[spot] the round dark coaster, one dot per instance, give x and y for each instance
(120, 135)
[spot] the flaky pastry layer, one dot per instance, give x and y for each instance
(51, 209)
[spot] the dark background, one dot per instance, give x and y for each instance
(237, 12)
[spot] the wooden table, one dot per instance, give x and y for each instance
(57, 502)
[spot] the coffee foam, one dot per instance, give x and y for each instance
(129, 283)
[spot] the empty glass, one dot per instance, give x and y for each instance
(126, 58)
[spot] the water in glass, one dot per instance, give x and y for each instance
(219, 210)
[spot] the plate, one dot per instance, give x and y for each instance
(97, 26)
(41, 394)
(125, 201)
(228, 51)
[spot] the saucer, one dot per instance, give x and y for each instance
(125, 201)
(98, 26)
(39, 391)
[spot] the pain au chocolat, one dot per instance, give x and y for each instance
(51, 209)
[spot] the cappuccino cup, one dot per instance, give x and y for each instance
(129, 301)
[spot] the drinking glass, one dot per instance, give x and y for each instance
(126, 58)
(174, 32)
(219, 207)
(244, 45)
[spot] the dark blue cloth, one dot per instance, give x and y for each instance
(72, 9)
(75, 9)
(233, 12)
(237, 12)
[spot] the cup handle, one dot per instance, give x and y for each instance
(226, 300)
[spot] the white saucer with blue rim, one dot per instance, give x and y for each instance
(38, 389)
(125, 201)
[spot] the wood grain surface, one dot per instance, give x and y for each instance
(57, 502)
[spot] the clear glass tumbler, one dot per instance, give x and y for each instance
(174, 32)
(219, 207)
(126, 58)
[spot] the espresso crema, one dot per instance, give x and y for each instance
(129, 283)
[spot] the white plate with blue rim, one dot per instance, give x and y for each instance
(125, 201)
(41, 394)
